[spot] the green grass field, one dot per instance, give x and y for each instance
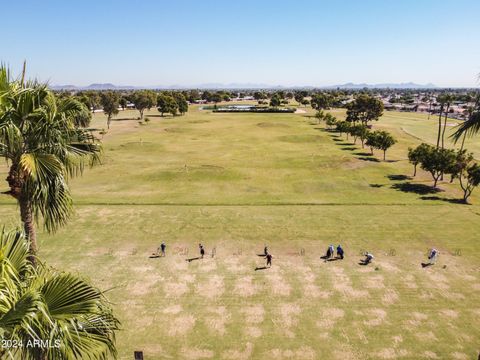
(238, 181)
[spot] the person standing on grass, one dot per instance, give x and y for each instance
(432, 256)
(330, 252)
(162, 249)
(202, 250)
(340, 252)
(269, 260)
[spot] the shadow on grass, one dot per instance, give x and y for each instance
(420, 189)
(424, 265)
(372, 159)
(260, 268)
(154, 256)
(399, 177)
(192, 259)
(376, 185)
(348, 148)
(363, 154)
(438, 198)
(126, 119)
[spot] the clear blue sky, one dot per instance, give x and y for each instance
(249, 41)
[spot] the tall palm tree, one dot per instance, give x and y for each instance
(448, 100)
(441, 100)
(73, 318)
(44, 146)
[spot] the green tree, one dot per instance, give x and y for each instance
(182, 103)
(110, 103)
(321, 101)
(275, 100)
(343, 127)
(330, 120)
(372, 141)
(144, 99)
(359, 131)
(166, 104)
(437, 161)
(469, 180)
(94, 100)
(44, 146)
(123, 102)
(416, 155)
(299, 97)
(384, 141)
(259, 95)
(364, 108)
(44, 303)
(320, 116)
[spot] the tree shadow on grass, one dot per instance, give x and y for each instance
(348, 148)
(438, 198)
(372, 159)
(376, 185)
(363, 154)
(126, 119)
(420, 189)
(399, 177)
(337, 139)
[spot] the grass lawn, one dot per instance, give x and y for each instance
(235, 182)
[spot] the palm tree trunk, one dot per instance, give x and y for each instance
(463, 140)
(445, 126)
(439, 125)
(26, 215)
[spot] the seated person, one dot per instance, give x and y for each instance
(368, 258)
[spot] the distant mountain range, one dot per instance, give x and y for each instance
(109, 86)
(408, 85)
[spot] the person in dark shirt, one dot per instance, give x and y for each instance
(340, 252)
(269, 260)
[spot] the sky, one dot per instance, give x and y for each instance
(274, 42)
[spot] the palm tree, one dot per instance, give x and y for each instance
(44, 145)
(441, 99)
(471, 126)
(73, 318)
(448, 99)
